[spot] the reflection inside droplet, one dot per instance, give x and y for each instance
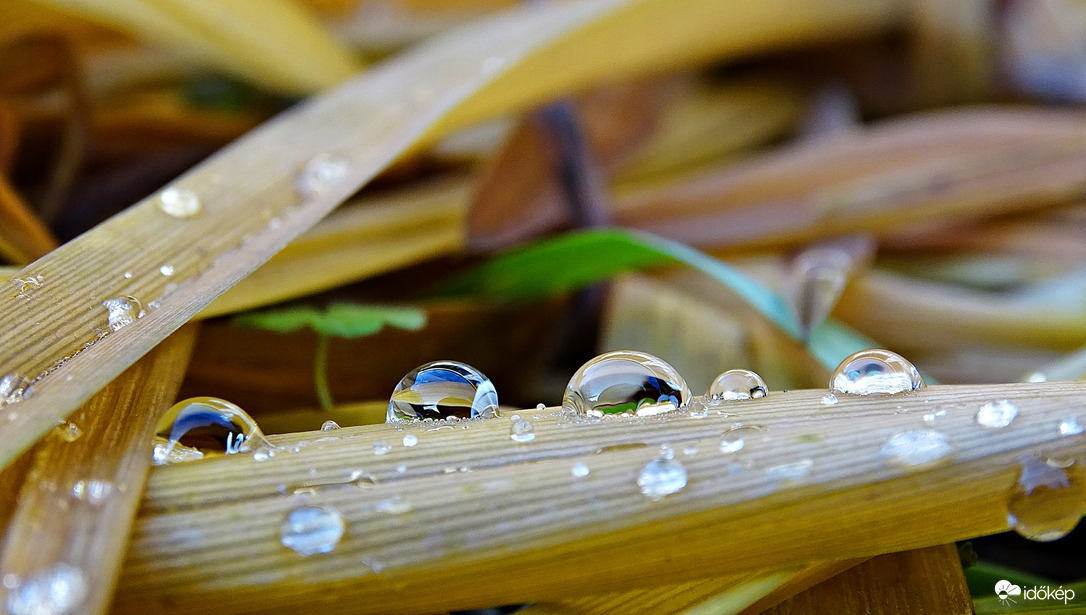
(625, 382)
(123, 311)
(311, 530)
(1045, 504)
(874, 371)
(202, 426)
(738, 384)
(443, 390)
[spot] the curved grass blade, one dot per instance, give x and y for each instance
(577, 259)
(346, 320)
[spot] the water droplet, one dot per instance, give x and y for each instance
(394, 505)
(68, 431)
(829, 399)
(441, 390)
(25, 286)
(13, 389)
(738, 384)
(202, 426)
(797, 470)
(579, 470)
(179, 203)
(410, 439)
(690, 450)
(916, 447)
(625, 382)
(1037, 377)
(381, 447)
(666, 452)
(59, 590)
(321, 173)
(731, 444)
(1070, 427)
(996, 414)
(166, 270)
(123, 311)
(311, 530)
(92, 491)
(540, 407)
(929, 418)
(698, 409)
(874, 372)
(522, 431)
(1045, 504)
(127, 275)
(329, 425)
(661, 477)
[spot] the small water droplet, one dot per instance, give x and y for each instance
(1037, 377)
(68, 431)
(625, 382)
(56, 591)
(829, 399)
(916, 447)
(797, 470)
(166, 270)
(690, 450)
(127, 275)
(201, 426)
(410, 439)
(13, 389)
(1045, 504)
(400, 469)
(395, 505)
(996, 414)
(731, 444)
(698, 409)
(381, 447)
(1070, 427)
(179, 203)
(875, 372)
(666, 452)
(929, 418)
(329, 425)
(321, 173)
(540, 407)
(123, 311)
(311, 530)
(579, 470)
(737, 384)
(24, 287)
(442, 390)
(522, 431)
(92, 491)
(661, 477)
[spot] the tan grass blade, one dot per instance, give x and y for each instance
(518, 504)
(23, 237)
(928, 580)
(81, 497)
(274, 42)
(251, 209)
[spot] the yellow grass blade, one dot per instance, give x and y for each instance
(209, 531)
(274, 42)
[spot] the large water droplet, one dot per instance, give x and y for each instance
(329, 426)
(201, 426)
(996, 414)
(738, 384)
(1045, 504)
(625, 382)
(522, 431)
(321, 173)
(13, 389)
(311, 530)
(441, 390)
(916, 447)
(179, 203)
(874, 371)
(123, 311)
(661, 477)
(57, 591)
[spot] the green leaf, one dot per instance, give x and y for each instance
(573, 260)
(345, 320)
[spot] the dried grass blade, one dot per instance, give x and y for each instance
(23, 237)
(520, 506)
(81, 497)
(251, 209)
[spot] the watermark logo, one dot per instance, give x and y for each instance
(1004, 590)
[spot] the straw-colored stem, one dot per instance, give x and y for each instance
(80, 498)
(812, 485)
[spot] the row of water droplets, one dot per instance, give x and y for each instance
(622, 383)
(209, 424)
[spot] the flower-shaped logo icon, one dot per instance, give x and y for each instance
(1005, 589)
